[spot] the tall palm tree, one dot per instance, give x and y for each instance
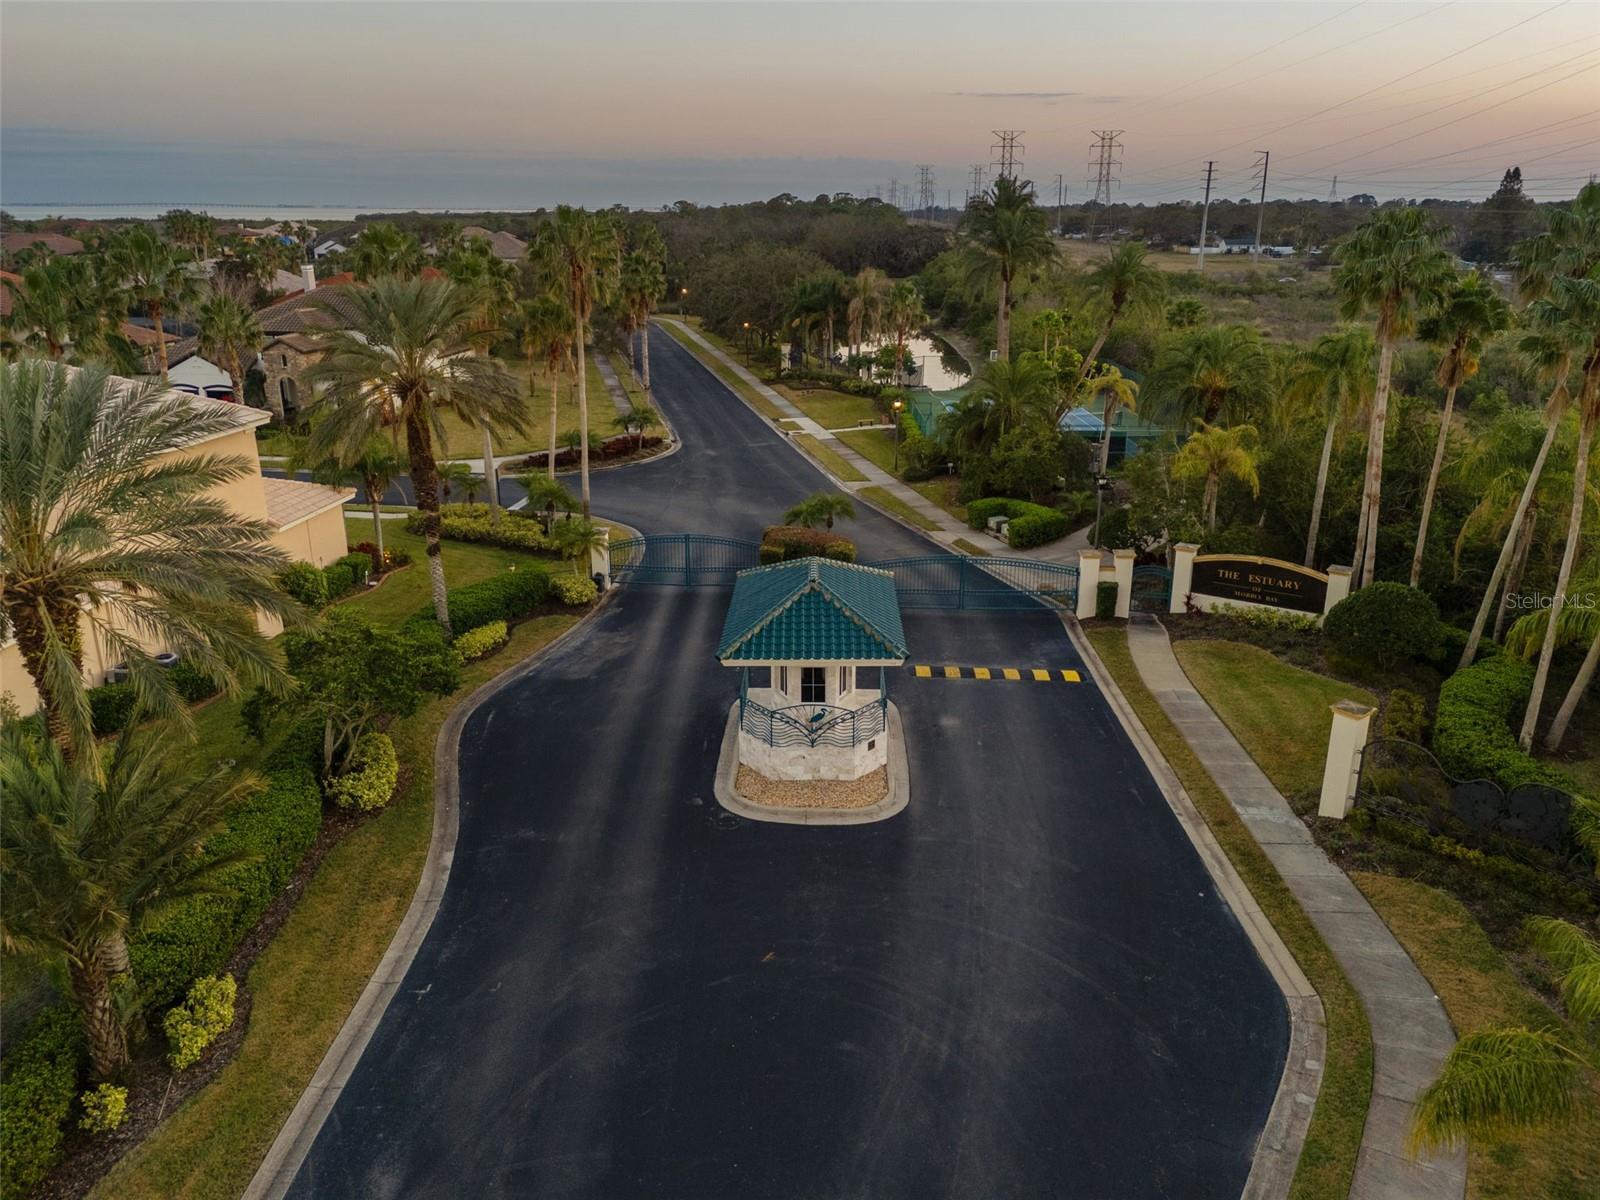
(405, 357)
(1209, 374)
(106, 527)
(230, 333)
(1213, 453)
(155, 275)
(1124, 284)
(373, 469)
(1115, 392)
(1471, 312)
(492, 283)
(1577, 625)
(1396, 265)
(1568, 249)
(383, 250)
(644, 282)
(1013, 394)
(1005, 235)
(545, 330)
(865, 295)
(1335, 374)
(904, 315)
(89, 857)
(821, 508)
(575, 253)
(1506, 1080)
(70, 309)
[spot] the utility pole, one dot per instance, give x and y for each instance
(1205, 213)
(925, 190)
(1333, 192)
(1261, 206)
(975, 189)
(1060, 192)
(1005, 153)
(894, 193)
(1105, 163)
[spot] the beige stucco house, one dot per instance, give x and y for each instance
(307, 521)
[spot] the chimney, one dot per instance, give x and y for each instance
(308, 276)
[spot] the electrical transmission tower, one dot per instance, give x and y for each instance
(1333, 192)
(925, 190)
(1263, 157)
(975, 188)
(894, 193)
(1205, 213)
(1061, 192)
(1006, 151)
(1107, 158)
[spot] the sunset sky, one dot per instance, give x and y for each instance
(465, 104)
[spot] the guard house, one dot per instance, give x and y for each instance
(806, 635)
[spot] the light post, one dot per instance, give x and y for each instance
(1101, 483)
(747, 343)
(897, 406)
(683, 296)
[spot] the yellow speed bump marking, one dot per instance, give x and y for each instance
(1040, 675)
(1011, 673)
(1069, 676)
(952, 672)
(924, 672)
(980, 672)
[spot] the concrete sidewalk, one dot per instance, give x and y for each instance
(1410, 1033)
(608, 375)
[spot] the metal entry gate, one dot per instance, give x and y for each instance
(681, 559)
(1152, 589)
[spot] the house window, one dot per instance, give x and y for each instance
(813, 685)
(783, 680)
(844, 680)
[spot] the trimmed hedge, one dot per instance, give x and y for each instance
(515, 531)
(1105, 600)
(305, 583)
(40, 1081)
(1031, 524)
(783, 543)
(485, 639)
(1472, 725)
(193, 1025)
(111, 707)
(502, 597)
(574, 589)
(370, 774)
(1384, 624)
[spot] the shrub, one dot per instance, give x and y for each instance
(1405, 715)
(193, 1025)
(392, 558)
(1384, 624)
(1105, 600)
(783, 543)
(40, 1082)
(370, 774)
(338, 580)
(191, 684)
(1453, 643)
(305, 583)
(485, 639)
(1031, 524)
(505, 597)
(104, 1109)
(470, 523)
(111, 707)
(1471, 726)
(575, 590)
(360, 565)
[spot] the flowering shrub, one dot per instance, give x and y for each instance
(193, 1025)
(370, 774)
(104, 1108)
(485, 639)
(781, 543)
(574, 589)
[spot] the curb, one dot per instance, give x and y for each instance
(1277, 1153)
(728, 795)
(288, 1151)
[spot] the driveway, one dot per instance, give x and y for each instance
(1023, 986)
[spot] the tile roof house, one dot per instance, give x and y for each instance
(55, 243)
(502, 244)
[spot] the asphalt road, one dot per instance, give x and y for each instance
(1023, 986)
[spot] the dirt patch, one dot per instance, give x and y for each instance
(813, 793)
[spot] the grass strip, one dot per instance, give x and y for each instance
(715, 365)
(884, 498)
(967, 547)
(874, 445)
(837, 465)
(1328, 1159)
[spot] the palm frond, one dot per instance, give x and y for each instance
(1496, 1082)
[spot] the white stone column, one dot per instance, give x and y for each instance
(600, 560)
(1123, 568)
(1338, 587)
(1182, 575)
(1088, 582)
(1346, 740)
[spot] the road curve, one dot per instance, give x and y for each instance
(1025, 985)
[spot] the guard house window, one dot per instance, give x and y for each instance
(813, 685)
(844, 679)
(783, 680)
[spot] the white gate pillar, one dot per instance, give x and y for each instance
(1346, 740)
(1088, 582)
(1182, 575)
(600, 560)
(1123, 566)
(1338, 587)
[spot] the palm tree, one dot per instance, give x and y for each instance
(229, 333)
(106, 527)
(1125, 283)
(820, 508)
(639, 417)
(904, 315)
(1005, 235)
(575, 254)
(1471, 311)
(67, 307)
(88, 858)
(546, 330)
(1395, 264)
(865, 295)
(577, 540)
(644, 282)
(1212, 453)
(546, 494)
(154, 274)
(492, 282)
(1052, 326)
(1208, 374)
(1577, 625)
(1336, 374)
(1013, 393)
(382, 250)
(1507, 1080)
(373, 469)
(405, 357)
(1568, 249)
(1115, 392)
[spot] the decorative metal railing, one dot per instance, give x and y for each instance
(682, 559)
(1152, 589)
(813, 724)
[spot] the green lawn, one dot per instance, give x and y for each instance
(874, 445)
(840, 467)
(1328, 1159)
(403, 592)
(967, 547)
(1277, 711)
(833, 409)
(307, 979)
(1479, 990)
(886, 499)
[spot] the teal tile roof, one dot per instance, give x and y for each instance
(813, 610)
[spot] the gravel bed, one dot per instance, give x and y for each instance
(813, 793)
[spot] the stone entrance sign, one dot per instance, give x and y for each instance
(1245, 579)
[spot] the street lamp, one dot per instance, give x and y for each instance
(1101, 483)
(683, 296)
(747, 343)
(897, 406)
